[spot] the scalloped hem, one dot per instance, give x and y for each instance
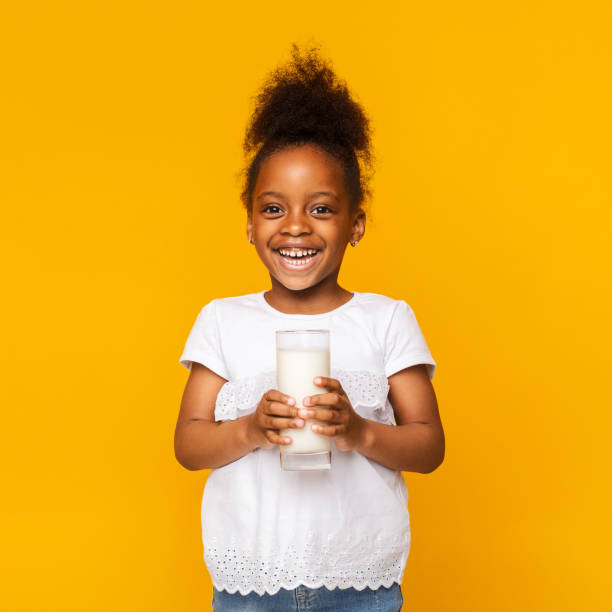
(311, 585)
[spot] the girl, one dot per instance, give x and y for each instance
(327, 540)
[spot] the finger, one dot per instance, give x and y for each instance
(328, 414)
(333, 399)
(328, 430)
(275, 438)
(331, 384)
(274, 395)
(282, 423)
(278, 409)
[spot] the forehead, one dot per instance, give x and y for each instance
(300, 168)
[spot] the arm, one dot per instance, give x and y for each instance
(415, 444)
(200, 442)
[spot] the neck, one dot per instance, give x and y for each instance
(317, 299)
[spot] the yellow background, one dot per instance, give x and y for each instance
(122, 127)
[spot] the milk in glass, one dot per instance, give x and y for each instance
(300, 357)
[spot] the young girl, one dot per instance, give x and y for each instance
(322, 540)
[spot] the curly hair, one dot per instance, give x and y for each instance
(303, 102)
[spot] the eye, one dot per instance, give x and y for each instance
(269, 207)
(325, 209)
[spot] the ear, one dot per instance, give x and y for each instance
(358, 227)
(249, 227)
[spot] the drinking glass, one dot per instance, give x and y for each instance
(301, 355)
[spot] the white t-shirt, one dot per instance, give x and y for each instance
(264, 528)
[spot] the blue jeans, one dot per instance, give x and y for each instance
(304, 599)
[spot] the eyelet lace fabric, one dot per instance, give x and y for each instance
(357, 566)
(367, 392)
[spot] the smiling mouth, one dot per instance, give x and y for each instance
(296, 258)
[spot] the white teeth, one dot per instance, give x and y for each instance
(300, 257)
(301, 262)
(296, 253)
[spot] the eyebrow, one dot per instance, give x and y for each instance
(325, 193)
(277, 194)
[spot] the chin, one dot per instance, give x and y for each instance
(296, 284)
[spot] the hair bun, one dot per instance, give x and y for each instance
(304, 100)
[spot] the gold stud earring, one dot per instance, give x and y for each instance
(355, 243)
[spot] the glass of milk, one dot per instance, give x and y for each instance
(301, 355)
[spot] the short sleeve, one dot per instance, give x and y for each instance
(405, 344)
(204, 344)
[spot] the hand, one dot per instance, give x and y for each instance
(344, 424)
(275, 411)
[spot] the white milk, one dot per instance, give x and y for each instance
(296, 369)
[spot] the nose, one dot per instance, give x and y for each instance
(296, 223)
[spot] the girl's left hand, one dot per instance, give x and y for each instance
(343, 423)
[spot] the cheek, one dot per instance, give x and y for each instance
(260, 237)
(335, 255)
(338, 242)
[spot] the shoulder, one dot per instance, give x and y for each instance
(227, 305)
(400, 335)
(388, 316)
(381, 306)
(377, 299)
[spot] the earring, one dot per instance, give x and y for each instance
(355, 243)
(250, 240)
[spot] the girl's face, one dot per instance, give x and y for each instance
(301, 223)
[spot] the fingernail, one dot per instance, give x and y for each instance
(316, 428)
(299, 422)
(306, 401)
(318, 380)
(290, 401)
(304, 413)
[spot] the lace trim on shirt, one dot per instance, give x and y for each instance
(233, 569)
(365, 389)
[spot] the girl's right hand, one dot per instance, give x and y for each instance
(275, 411)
